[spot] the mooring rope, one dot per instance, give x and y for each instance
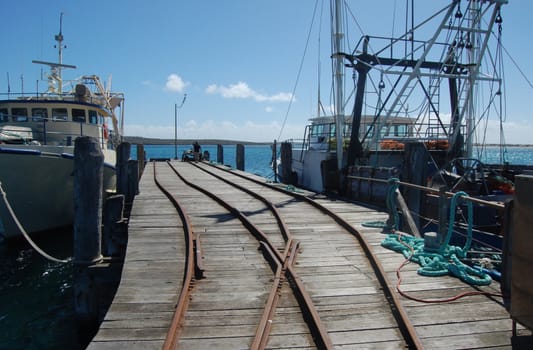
(24, 233)
(447, 259)
(393, 223)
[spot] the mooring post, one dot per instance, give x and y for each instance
(133, 180)
(114, 235)
(274, 161)
(123, 155)
(141, 158)
(240, 157)
(220, 154)
(286, 161)
(88, 188)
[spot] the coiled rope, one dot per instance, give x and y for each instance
(446, 260)
(394, 219)
(24, 233)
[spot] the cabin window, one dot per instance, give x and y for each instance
(39, 114)
(401, 130)
(4, 116)
(78, 115)
(93, 117)
(19, 114)
(59, 114)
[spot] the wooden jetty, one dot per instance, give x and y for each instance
(343, 302)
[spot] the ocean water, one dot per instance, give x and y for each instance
(36, 311)
(257, 158)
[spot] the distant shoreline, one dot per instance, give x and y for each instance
(156, 141)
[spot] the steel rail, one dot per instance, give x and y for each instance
(190, 267)
(275, 259)
(406, 327)
(263, 329)
(283, 227)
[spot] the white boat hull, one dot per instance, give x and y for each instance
(39, 188)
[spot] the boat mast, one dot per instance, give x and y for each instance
(55, 68)
(338, 36)
(59, 39)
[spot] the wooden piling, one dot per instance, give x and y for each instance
(88, 187)
(114, 234)
(274, 161)
(240, 157)
(141, 157)
(123, 155)
(132, 180)
(220, 154)
(286, 161)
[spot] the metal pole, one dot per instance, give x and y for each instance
(175, 131)
(176, 125)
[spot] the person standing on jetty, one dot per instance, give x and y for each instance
(196, 149)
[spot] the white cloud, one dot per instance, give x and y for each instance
(242, 90)
(175, 83)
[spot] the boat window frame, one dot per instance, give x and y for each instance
(78, 118)
(60, 117)
(93, 116)
(39, 117)
(4, 115)
(17, 114)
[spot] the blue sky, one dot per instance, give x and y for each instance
(236, 60)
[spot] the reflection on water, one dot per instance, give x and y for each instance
(37, 309)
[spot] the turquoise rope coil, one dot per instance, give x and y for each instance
(447, 260)
(390, 201)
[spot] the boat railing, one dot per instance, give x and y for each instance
(380, 187)
(431, 191)
(49, 131)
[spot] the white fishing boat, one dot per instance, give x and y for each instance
(37, 134)
(419, 108)
(419, 88)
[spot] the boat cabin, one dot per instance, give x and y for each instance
(320, 134)
(52, 122)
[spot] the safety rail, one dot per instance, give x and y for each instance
(448, 194)
(42, 132)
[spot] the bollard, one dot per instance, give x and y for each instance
(133, 180)
(220, 154)
(286, 161)
(88, 187)
(141, 157)
(274, 161)
(240, 157)
(123, 155)
(114, 236)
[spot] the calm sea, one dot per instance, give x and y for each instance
(36, 311)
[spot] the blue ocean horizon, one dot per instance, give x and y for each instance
(259, 157)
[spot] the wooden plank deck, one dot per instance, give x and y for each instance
(143, 307)
(144, 304)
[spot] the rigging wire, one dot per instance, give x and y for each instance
(299, 70)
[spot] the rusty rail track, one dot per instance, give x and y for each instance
(404, 323)
(280, 259)
(281, 265)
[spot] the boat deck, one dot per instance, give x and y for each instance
(225, 306)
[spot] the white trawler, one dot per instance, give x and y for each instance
(37, 133)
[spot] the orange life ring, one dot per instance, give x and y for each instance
(106, 132)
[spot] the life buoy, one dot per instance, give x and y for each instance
(106, 132)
